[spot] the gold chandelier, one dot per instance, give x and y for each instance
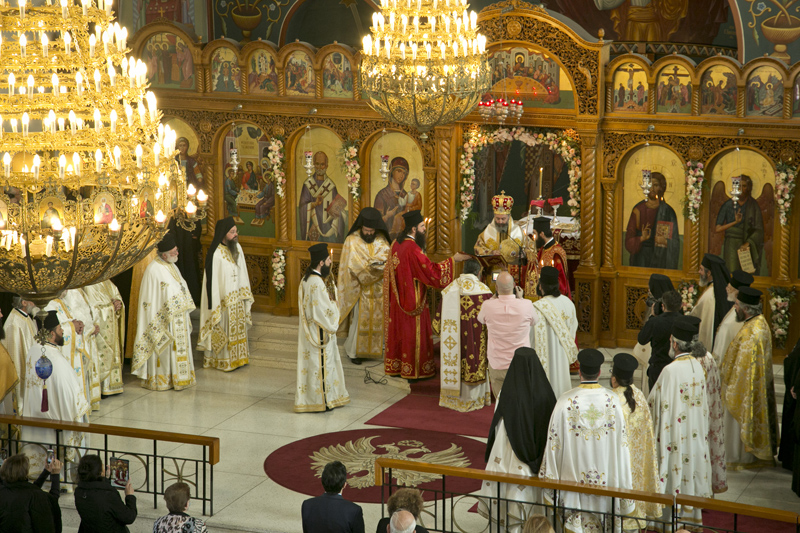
(425, 63)
(91, 180)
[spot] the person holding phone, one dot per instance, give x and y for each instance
(98, 503)
(24, 507)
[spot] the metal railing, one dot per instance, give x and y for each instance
(159, 469)
(448, 511)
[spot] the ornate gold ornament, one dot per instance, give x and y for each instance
(91, 179)
(425, 64)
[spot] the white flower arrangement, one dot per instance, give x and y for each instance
(564, 144)
(689, 292)
(352, 165)
(695, 183)
(785, 181)
(276, 156)
(781, 299)
(279, 273)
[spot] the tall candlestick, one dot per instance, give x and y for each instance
(541, 171)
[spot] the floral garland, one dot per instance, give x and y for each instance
(276, 156)
(689, 292)
(784, 190)
(279, 273)
(351, 167)
(564, 144)
(695, 183)
(780, 300)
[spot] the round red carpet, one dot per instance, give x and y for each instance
(298, 466)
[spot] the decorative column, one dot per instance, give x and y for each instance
(588, 196)
(282, 223)
(696, 100)
(445, 182)
(608, 222)
(741, 93)
(783, 270)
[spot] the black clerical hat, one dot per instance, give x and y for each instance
(749, 296)
(590, 360)
(541, 224)
(370, 217)
(167, 242)
(624, 365)
(710, 259)
(319, 252)
(524, 351)
(412, 218)
(549, 275)
(740, 278)
(684, 329)
(659, 284)
(51, 321)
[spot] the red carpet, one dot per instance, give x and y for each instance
(745, 524)
(298, 466)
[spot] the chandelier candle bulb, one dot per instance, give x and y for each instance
(72, 121)
(138, 156)
(37, 162)
(67, 43)
(23, 44)
(98, 161)
(30, 86)
(25, 123)
(114, 226)
(92, 43)
(129, 114)
(98, 123)
(79, 83)
(49, 244)
(117, 159)
(191, 191)
(202, 198)
(105, 42)
(64, 9)
(51, 118)
(62, 166)
(61, 123)
(161, 219)
(108, 5)
(22, 9)
(13, 125)
(76, 164)
(122, 42)
(113, 119)
(23, 246)
(45, 44)
(97, 78)
(85, 6)
(54, 81)
(7, 165)
(191, 209)
(156, 152)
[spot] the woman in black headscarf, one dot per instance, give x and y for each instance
(518, 435)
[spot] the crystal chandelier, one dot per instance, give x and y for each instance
(91, 180)
(425, 63)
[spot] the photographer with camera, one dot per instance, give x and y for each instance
(664, 309)
(24, 507)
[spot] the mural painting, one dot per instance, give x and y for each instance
(765, 92)
(262, 78)
(323, 198)
(135, 14)
(630, 88)
(532, 76)
(337, 76)
(772, 29)
(225, 73)
(674, 90)
(300, 80)
(169, 62)
(718, 91)
(653, 235)
(248, 193)
(403, 190)
(741, 231)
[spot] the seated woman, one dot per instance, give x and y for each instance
(98, 503)
(24, 507)
(177, 497)
(517, 439)
(403, 500)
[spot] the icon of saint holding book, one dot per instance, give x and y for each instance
(652, 233)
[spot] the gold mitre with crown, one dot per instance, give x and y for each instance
(502, 204)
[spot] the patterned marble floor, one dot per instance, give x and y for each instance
(250, 410)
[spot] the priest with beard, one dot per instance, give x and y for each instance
(713, 303)
(9, 379)
(20, 332)
(320, 378)
(360, 286)
(162, 353)
(729, 327)
(109, 312)
(550, 253)
(407, 319)
(59, 398)
(225, 302)
(748, 388)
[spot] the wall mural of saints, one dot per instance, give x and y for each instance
(718, 86)
(323, 199)
(653, 231)
(403, 191)
(741, 231)
(630, 89)
(248, 191)
(262, 77)
(300, 77)
(225, 73)
(765, 92)
(674, 90)
(337, 76)
(534, 77)
(169, 62)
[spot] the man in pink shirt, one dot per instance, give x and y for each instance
(509, 318)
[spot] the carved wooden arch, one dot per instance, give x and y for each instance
(251, 47)
(728, 62)
(524, 22)
(286, 51)
(678, 59)
(611, 70)
(292, 10)
(140, 38)
(750, 66)
(347, 51)
(210, 48)
(795, 72)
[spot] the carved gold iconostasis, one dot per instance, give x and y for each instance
(309, 99)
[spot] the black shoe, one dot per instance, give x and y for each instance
(356, 360)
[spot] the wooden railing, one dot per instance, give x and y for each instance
(202, 479)
(384, 466)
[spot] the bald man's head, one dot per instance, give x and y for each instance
(504, 283)
(402, 522)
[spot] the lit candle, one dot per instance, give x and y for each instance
(140, 108)
(72, 122)
(62, 165)
(51, 116)
(49, 242)
(114, 226)
(13, 125)
(79, 82)
(308, 157)
(108, 5)
(541, 172)
(37, 163)
(105, 42)
(113, 118)
(25, 122)
(190, 209)
(30, 85)
(23, 41)
(141, 71)
(97, 78)
(7, 165)
(202, 198)
(61, 123)
(138, 156)
(64, 9)
(92, 43)
(77, 163)
(98, 161)
(117, 160)
(428, 49)
(85, 4)
(191, 191)
(67, 42)
(11, 81)
(98, 123)
(161, 219)
(129, 114)
(151, 105)
(122, 41)
(45, 44)
(22, 9)
(56, 225)
(156, 152)
(112, 74)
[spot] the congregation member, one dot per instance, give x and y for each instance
(73, 348)
(63, 399)
(517, 438)
(98, 503)
(225, 301)
(641, 441)
(162, 353)
(408, 273)
(405, 499)
(177, 498)
(748, 387)
(19, 329)
(729, 327)
(656, 333)
(109, 313)
(464, 374)
(320, 378)
(24, 506)
(791, 367)
(9, 380)
(551, 253)
(402, 522)
(587, 442)
(713, 304)
(78, 306)
(503, 236)
(508, 318)
(330, 512)
(657, 285)
(360, 285)
(553, 336)
(679, 406)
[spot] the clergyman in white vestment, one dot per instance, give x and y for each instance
(74, 349)
(109, 314)
(162, 354)
(20, 330)
(80, 308)
(729, 327)
(713, 303)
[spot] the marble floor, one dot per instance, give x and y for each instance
(250, 410)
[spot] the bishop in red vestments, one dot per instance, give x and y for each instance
(550, 253)
(406, 317)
